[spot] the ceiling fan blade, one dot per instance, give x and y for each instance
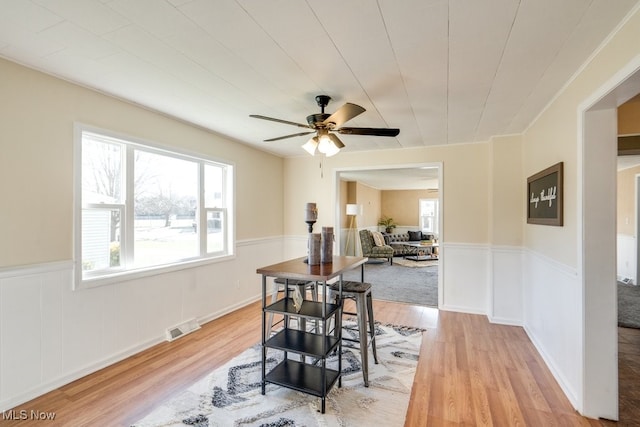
(369, 131)
(287, 136)
(345, 113)
(286, 122)
(336, 140)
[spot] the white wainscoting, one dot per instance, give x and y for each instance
(553, 319)
(626, 257)
(51, 335)
(465, 270)
(505, 291)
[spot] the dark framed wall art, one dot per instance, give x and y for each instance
(544, 196)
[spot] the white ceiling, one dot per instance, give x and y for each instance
(443, 71)
(413, 178)
(626, 162)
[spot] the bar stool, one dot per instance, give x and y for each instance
(288, 285)
(360, 292)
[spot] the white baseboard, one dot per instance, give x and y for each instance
(43, 388)
(557, 374)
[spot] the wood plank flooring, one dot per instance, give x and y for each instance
(470, 372)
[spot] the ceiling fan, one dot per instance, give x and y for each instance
(323, 125)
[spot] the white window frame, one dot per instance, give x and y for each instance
(435, 218)
(118, 274)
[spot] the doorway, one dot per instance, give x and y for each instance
(597, 170)
(424, 176)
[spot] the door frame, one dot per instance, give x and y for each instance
(339, 214)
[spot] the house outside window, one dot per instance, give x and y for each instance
(429, 215)
(141, 208)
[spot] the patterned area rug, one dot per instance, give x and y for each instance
(409, 263)
(231, 395)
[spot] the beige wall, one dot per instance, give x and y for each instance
(345, 197)
(629, 117)
(466, 204)
(401, 205)
(626, 209)
(37, 116)
(508, 201)
(628, 124)
(553, 138)
(371, 200)
(404, 205)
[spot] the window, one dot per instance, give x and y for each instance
(429, 215)
(142, 208)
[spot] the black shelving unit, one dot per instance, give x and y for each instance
(304, 366)
(311, 376)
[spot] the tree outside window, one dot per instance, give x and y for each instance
(142, 206)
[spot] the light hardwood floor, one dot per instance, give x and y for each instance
(470, 373)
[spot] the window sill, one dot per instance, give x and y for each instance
(124, 276)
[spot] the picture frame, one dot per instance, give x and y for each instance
(545, 193)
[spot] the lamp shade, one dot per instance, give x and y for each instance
(311, 145)
(352, 209)
(331, 150)
(324, 144)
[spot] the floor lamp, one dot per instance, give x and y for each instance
(352, 211)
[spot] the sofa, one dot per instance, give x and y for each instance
(396, 240)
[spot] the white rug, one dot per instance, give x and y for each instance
(231, 395)
(409, 263)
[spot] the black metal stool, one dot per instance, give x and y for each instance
(360, 292)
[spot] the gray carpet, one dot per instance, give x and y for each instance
(400, 284)
(628, 305)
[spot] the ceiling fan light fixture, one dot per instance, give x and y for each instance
(311, 145)
(332, 150)
(323, 124)
(324, 143)
(327, 145)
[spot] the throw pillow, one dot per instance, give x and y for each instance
(415, 235)
(378, 239)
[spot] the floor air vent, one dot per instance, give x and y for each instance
(625, 280)
(182, 329)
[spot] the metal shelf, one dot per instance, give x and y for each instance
(303, 377)
(304, 343)
(309, 309)
(311, 378)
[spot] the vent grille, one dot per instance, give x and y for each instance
(182, 329)
(625, 280)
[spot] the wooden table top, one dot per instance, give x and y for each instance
(298, 269)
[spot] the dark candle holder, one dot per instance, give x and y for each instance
(310, 224)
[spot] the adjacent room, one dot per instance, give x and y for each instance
(318, 213)
(403, 204)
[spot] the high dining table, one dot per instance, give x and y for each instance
(313, 378)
